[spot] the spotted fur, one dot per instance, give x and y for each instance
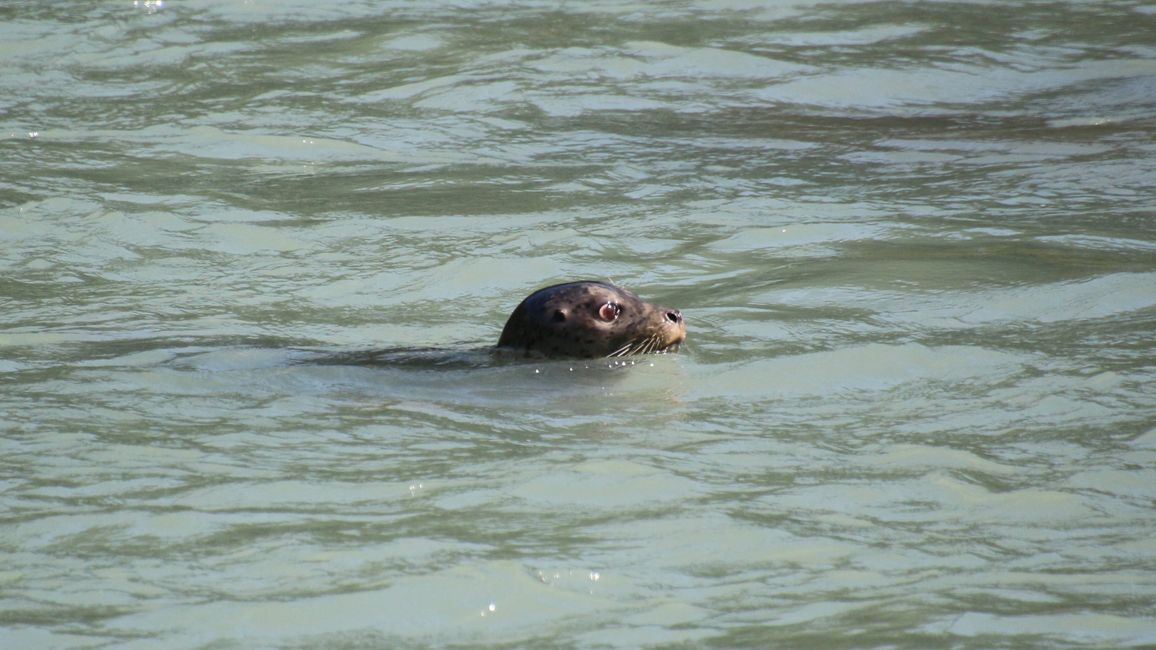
(574, 320)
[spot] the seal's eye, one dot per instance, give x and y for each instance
(609, 311)
(559, 315)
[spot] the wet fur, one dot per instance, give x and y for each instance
(563, 321)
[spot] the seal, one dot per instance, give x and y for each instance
(590, 319)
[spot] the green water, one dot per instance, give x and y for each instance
(915, 244)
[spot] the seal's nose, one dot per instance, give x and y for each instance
(674, 315)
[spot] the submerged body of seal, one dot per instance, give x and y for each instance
(577, 320)
(591, 319)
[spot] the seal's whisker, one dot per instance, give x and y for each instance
(651, 345)
(622, 351)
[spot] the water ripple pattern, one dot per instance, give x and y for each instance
(915, 245)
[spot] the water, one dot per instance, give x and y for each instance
(915, 243)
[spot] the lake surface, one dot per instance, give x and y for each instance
(915, 244)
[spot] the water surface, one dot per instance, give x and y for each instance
(915, 244)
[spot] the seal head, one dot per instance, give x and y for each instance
(591, 319)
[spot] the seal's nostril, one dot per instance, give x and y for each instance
(674, 316)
